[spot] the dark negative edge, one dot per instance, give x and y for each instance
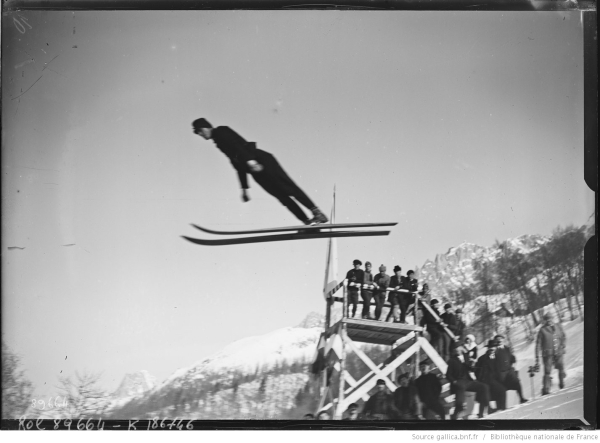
(283, 237)
(296, 228)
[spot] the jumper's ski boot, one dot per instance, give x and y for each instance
(318, 217)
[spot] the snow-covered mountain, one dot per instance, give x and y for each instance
(134, 385)
(454, 269)
(291, 344)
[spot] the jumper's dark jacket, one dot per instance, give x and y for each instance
(273, 178)
(238, 150)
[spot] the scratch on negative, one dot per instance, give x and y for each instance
(14, 98)
(49, 62)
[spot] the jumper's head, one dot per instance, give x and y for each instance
(357, 263)
(202, 127)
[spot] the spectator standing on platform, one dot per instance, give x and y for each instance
(382, 281)
(458, 374)
(551, 343)
(486, 372)
(449, 319)
(411, 284)
(461, 327)
(246, 158)
(355, 276)
(425, 293)
(380, 405)
(508, 376)
(405, 398)
(429, 389)
(367, 293)
(471, 348)
(434, 328)
(396, 282)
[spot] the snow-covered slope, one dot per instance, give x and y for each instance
(246, 355)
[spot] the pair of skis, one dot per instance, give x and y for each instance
(290, 233)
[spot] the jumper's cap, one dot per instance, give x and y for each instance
(368, 263)
(435, 301)
(380, 382)
(397, 268)
(447, 305)
(382, 268)
(352, 407)
(410, 272)
(547, 316)
(459, 310)
(492, 344)
(357, 262)
(201, 123)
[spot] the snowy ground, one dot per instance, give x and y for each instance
(559, 404)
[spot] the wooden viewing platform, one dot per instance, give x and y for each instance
(376, 332)
(405, 341)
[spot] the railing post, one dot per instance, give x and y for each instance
(340, 403)
(345, 306)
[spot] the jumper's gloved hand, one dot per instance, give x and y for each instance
(245, 196)
(254, 166)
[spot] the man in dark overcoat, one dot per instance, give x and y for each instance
(507, 374)
(486, 372)
(355, 276)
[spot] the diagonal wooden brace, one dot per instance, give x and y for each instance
(366, 360)
(432, 354)
(383, 373)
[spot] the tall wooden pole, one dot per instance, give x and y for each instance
(339, 408)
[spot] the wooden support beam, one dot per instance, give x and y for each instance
(432, 354)
(339, 410)
(367, 361)
(368, 385)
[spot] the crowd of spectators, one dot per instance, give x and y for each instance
(488, 376)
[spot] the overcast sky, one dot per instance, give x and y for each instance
(461, 127)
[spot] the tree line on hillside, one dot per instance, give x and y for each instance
(543, 276)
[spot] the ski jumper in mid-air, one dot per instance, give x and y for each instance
(246, 158)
